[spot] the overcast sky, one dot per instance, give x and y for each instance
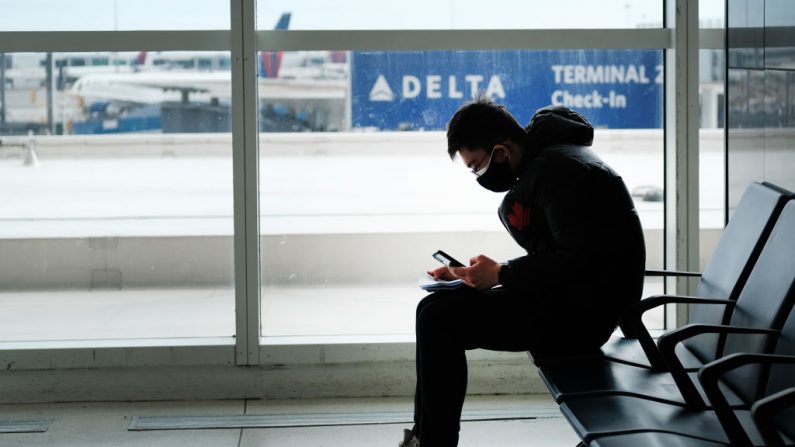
(72, 15)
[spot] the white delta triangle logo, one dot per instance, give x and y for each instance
(381, 90)
(434, 88)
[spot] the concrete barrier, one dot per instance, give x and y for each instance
(287, 260)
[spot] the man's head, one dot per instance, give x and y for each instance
(481, 124)
(487, 138)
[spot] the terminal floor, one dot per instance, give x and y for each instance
(103, 424)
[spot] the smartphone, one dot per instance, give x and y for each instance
(446, 259)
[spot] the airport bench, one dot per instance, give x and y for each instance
(719, 287)
(723, 277)
(765, 381)
(761, 324)
(773, 416)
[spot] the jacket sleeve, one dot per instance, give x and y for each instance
(570, 206)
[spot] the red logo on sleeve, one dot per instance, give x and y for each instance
(519, 217)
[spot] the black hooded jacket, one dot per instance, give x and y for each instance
(575, 218)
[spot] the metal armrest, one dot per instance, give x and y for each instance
(764, 411)
(667, 344)
(709, 376)
(632, 325)
(651, 302)
(671, 273)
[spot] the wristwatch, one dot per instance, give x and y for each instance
(503, 276)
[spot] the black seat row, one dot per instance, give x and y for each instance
(703, 383)
(766, 419)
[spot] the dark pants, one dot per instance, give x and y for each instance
(448, 324)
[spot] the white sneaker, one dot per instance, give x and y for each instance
(409, 439)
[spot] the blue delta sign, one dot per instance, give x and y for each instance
(420, 90)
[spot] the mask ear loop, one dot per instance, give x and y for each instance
(483, 170)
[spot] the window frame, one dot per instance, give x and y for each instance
(680, 39)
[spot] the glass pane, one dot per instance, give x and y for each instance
(459, 14)
(712, 163)
(711, 144)
(353, 147)
(780, 128)
(745, 35)
(746, 131)
(712, 153)
(116, 185)
(779, 34)
(711, 13)
(107, 15)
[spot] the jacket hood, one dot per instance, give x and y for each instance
(558, 125)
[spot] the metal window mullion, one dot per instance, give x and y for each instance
(220, 40)
(246, 206)
(239, 187)
(250, 113)
(551, 39)
(79, 41)
(681, 143)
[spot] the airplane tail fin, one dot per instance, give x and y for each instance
(140, 59)
(270, 61)
(284, 21)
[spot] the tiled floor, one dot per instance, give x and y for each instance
(105, 424)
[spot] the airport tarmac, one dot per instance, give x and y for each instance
(314, 193)
(308, 194)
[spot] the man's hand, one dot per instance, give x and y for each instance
(482, 273)
(442, 273)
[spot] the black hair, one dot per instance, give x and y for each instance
(481, 124)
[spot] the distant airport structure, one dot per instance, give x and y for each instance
(341, 90)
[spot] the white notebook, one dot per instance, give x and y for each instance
(426, 282)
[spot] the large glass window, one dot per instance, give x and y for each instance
(116, 167)
(116, 192)
(357, 189)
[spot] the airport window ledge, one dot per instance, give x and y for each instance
(87, 354)
(290, 367)
(275, 352)
(296, 368)
(273, 381)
